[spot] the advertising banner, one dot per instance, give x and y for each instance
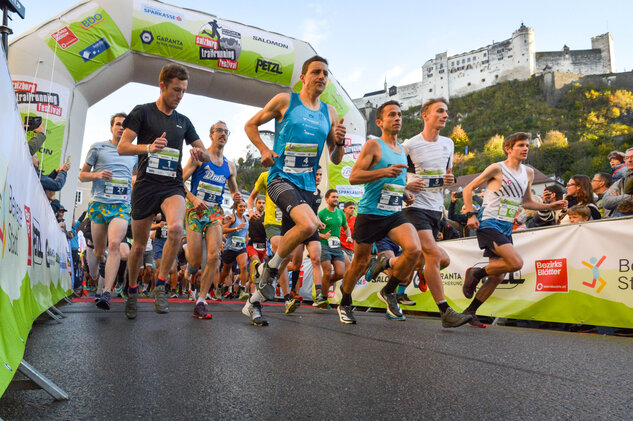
(39, 97)
(86, 39)
(575, 273)
(338, 175)
(34, 256)
(202, 39)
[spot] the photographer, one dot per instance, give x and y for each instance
(35, 125)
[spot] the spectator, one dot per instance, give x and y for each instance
(524, 216)
(461, 217)
(621, 189)
(578, 213)
(56, 179)
(616, 160)
(625, 208)
(579, 192)
(38, 140)
(552, 193)
(600, 183)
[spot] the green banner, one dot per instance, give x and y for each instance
(338, 175)
(205, 40)
(88, 42)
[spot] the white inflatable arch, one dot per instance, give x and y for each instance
(95, 47)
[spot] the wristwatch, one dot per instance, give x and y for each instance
(469, 214)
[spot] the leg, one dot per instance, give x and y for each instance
(433, 257)
(174, 211)
(213, 236)
(306, 223)
(116, 232)
(140, 234)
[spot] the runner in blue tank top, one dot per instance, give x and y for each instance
(204, 211)
(236, 229)
(381, 166)
(508, 187)
(303, 125)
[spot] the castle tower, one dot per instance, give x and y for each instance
(604, 43)
(523, 52)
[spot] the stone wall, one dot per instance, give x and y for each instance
(556, 84)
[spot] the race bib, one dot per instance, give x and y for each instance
(237, 242)
(164, 162)
(163, 232)
(209, 193)
(300, 158)
(334, 242)
(259, 246)
(278, 215)
(391, 198)
(508, 208)
(117, 188)
(433, 179)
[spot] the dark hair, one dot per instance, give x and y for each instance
(349, 203)
(427, 105)
(606, 177)
(329, 192)
(173, 70)
(511, 140)
(556, 189)
(381, 109)
(585, 192)
(115, 116)
(306, 64)
(236, 203)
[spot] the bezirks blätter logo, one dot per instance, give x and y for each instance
(551, 275)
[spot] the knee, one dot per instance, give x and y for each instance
(137, 249)
(175, 231)
(114, 248)
(445, 261)
(515, 264)
(413, 252)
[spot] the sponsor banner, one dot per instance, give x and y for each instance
(206, 40)
(86, 39)
(34, 255)
(338, 175)
(575, 273)
(50, 101)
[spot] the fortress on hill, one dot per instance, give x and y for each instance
(514, 58)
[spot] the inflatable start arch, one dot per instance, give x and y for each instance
(65, 65)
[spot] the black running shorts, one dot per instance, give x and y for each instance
(287, 196)
(424, 219)
(371, 228)
(487, 237)
(148, 197)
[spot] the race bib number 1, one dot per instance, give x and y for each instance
(391, 197)
(508, 208)
(117, 188)
(300, 158)
(164, 162)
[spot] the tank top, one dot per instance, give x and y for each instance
(299, 141)
(500, 207)
(208, 182)
(384, 196)
(236, 240)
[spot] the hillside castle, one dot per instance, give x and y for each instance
(452, 76)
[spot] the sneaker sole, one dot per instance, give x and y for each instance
(103, 305)
(292, 308)
(381, 298)
(397, 319)
(268, 292)
(408, 303)
(477, 327)
(205, 317)
(347, 322)
(262, 323)
(462, 323)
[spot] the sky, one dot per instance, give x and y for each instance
(366, 42)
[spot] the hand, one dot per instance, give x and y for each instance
(237, 196)
(40, 129)
(64, 167)
(256, 214)
(240, 226)
(453, 198)
(199, 205)
(321, 226)
(449, 178)
(158, 144)
(339, 132)
(408, 198)
(473, 222)
(416, 185)
(105, 175)
(268, 158)
(327, 234)
(560, 204)
(196, 153)
(162, 224)
(393, 171)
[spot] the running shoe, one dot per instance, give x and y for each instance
(474, 322)
(192, 295)
(253, 270)
(161, 306)
(104, 301)
(451, 318)
(200, 311)
(254, 312)
(346, 315)
(382, 263)
(422, 285)
(174, 294)
(97, 297)
(320, 301)
(243, 296)
(403, 299)
(228, 294)
(393, 309)
(118, 290)
(291, 305)
(131, 306)
(265, 282)
(296, 296)
(470, 283)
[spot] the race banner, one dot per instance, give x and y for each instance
(338, 175)
(575, 273)
(86, 39)
(41, 98)
(206, 40)
(34, 255)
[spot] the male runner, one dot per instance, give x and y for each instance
(256, 248)
(432, 159)
(161, 131)
(236, 230)
(332, 255)
(109, 211)
(204, 210)
(304, 124)
(381, 166)
(508, 187)
(348, 242)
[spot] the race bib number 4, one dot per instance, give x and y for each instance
(209, 193)
(391, 198)
(300, 158)
(117, 188)
(508, 208)
(433, 179)
(164, 162)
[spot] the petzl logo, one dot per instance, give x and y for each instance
(594, 265)
(267, 66)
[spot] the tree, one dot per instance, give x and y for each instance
(460, 138)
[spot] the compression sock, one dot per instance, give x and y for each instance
(401, 289)
(256, 297)
(275, 261)
(443, 306)
(160, 281)
(474, 305)
(346, 300)
(287, 297)
(295, 279)
(392, 283)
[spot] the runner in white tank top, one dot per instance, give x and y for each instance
(508, 187)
